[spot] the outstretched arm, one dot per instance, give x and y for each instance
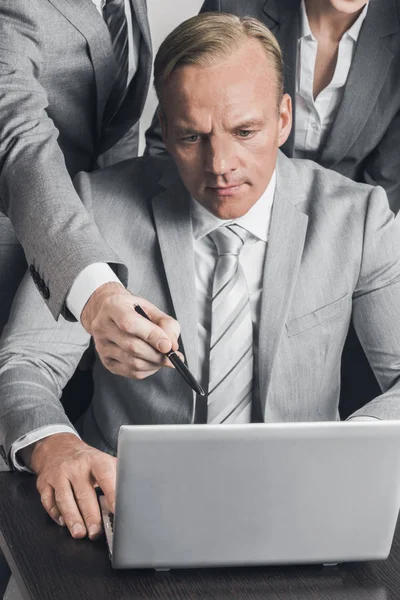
(58, 236)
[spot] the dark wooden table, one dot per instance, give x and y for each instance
(49, 565)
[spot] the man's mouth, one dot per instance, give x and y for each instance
(227, 190)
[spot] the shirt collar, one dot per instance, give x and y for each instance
(305, 30)
(353, 32)
(99, 4)
(255, 221)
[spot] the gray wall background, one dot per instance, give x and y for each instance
(163, 17)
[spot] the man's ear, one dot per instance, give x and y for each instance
(285, 119)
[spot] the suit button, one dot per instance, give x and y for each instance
(46, 292)
(36, 278)
(32, 269)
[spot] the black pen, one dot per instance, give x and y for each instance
(177, 362)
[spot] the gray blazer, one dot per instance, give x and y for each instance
(364, 141)
(57, 68)
(333, 252)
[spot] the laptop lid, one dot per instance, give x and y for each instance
(282, 493)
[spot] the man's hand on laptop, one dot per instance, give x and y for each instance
(128, 344)
(68, 470)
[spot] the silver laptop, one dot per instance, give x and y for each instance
(259, 494)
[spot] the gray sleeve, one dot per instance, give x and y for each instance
(58, 236)
(376, 305)
(37, 358)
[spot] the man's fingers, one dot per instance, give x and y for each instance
(127, 343)
(131, 348)
(88, 505)
(67, 470)
(144, 358)
(118, 368)
(146, 330)
(68, 508)
(166, 323)
(105, 475)
(48, 500)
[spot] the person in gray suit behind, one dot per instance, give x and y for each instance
(261, 259)
(74, 76)
(342, 65)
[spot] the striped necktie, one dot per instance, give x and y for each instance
(115, 18)
(231, 344)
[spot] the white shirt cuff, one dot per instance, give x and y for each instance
(87, 282)
(31, 438)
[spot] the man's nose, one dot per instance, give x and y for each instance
(221, 157)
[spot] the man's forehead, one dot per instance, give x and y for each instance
(244, 116)
(240, 98)
(238, 67)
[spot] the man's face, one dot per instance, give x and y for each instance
(221, 126)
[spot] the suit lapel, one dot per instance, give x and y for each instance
(285, 247)
(171, 209)
(367, 75)
(282, 18)
(139, 10)
(85, 17)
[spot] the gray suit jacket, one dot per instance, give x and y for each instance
(364, 141)
(333, 252)
(57, 68)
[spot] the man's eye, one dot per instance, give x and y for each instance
(191, 138)
(245, 133)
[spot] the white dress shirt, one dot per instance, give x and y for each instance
(315, 117)
(95, 275)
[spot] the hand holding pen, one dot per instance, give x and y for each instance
(129, 345)
(177, 362)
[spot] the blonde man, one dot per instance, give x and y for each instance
(342, 60)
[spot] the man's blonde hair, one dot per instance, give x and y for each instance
(202, 39)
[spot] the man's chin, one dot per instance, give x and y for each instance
(227, 206)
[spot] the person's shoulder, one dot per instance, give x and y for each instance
(131, 177)
(311, 171)
(325, 190)
(119, 186)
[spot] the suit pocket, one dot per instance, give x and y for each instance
(315, 318)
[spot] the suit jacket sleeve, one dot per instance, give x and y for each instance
(38, 356)
(382, 166)
(376, 305)
(36, 193)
